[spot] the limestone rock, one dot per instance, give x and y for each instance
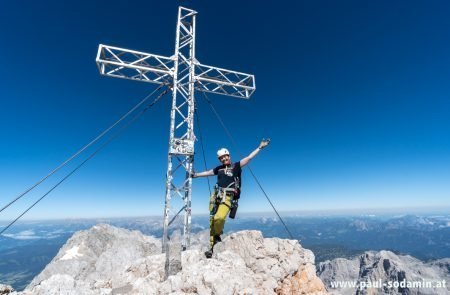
(109, 260)
(5, 289)
(385, 271)
(304, 281)
(99, 256)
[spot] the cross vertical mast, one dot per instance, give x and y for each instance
(181, 140)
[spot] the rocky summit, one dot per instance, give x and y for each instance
(110, 260)
(5, 289)
(385, 272)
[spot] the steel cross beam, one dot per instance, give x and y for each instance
(184, 74)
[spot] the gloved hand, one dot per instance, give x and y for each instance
(264, 143)
(192, 174)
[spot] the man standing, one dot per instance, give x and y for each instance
(226, 192)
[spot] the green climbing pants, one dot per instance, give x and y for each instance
(218, 212)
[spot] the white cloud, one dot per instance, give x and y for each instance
(23, 235)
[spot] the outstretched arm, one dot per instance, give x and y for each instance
(247, 159)
(203, 174)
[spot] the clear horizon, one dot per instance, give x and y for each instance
(425, 211)
(355, 97)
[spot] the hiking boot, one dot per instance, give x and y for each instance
(217, 239)
(209, 253)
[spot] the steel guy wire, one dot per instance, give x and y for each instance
(82, 149)
(203, 148)
(111, 138)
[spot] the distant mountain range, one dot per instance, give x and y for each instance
(29, 246)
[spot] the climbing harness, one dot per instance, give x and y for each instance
(222, 193)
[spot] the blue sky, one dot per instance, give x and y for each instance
(353, 94)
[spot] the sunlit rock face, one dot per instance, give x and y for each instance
(385, 272)
(110, 260)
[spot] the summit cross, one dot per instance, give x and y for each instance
(184, 75)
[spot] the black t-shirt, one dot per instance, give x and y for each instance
(227, 175)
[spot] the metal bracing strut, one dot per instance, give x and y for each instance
(185, 75)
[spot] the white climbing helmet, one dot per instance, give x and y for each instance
(222, 151)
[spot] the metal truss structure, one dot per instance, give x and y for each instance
(184, 74)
